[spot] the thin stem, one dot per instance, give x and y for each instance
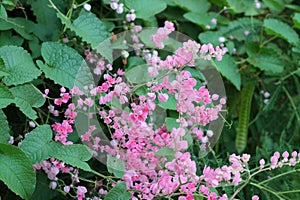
(278, 176)
(292, 103)
(87, 1)
(11, 22)
(267, 41)
(266, 189)
(289, 191)
(226, 122)
(240, 188)
(290, 74)
(103, 176)
(87, 180)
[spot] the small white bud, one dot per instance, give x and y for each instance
(125, 54)
(52, 185)
(114, 143)
(31, 124)
(120, 8)
(204, 140)
(87, 7)
(266, 94)
(209, 133)
(114, 5)
(222, 39)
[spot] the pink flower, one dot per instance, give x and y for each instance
(163, 97)
(86, 136)
(212, 196)
(262, 163)
(214, 20)
(255, 197)
(67, 188)
(53, 185)
(224, 197)
(236, 179)
(222, 101)
(169, 25)
(203, 189)
(81, 190)
(58, 102)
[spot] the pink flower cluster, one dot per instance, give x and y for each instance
(53, 167)
(115, 5)
(183, 56)
(63, 129)
(162, 34)
(276, 162)
(229, 174)
(156, 159)
(135, 138)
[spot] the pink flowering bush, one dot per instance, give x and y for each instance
(118, 99)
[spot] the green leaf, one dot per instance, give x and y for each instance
(212, 189)
(115, 103)
(158, 116)
(237, 28)
(145, 36)
(138, 74)
(142, 8)
(293, 7)
(92, 30)
(275, 5)
(296, 20)
(192, 5)
(6, 38)
(4, 128)
(228, 68)
(189, 138)
(210, 37)
(35, 47)
(21, 25)
(26, 97)
(3, 13)
(237, 6)
(285, 31)
(246, 6)
(6, 96)
(18, 65)
(198, 197)
(48, 24)
(16, 171)
(42, 190)
(196, 73)
(106, 50)
(119, 192)
(171, 123)
(36, 144)
(9, 4)
(135, 61)
(115, 166)
(64, 65)
(170, 104)
(201, 19)
(166, 152)
(266, 59)
(74, 155)
(141, 91)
